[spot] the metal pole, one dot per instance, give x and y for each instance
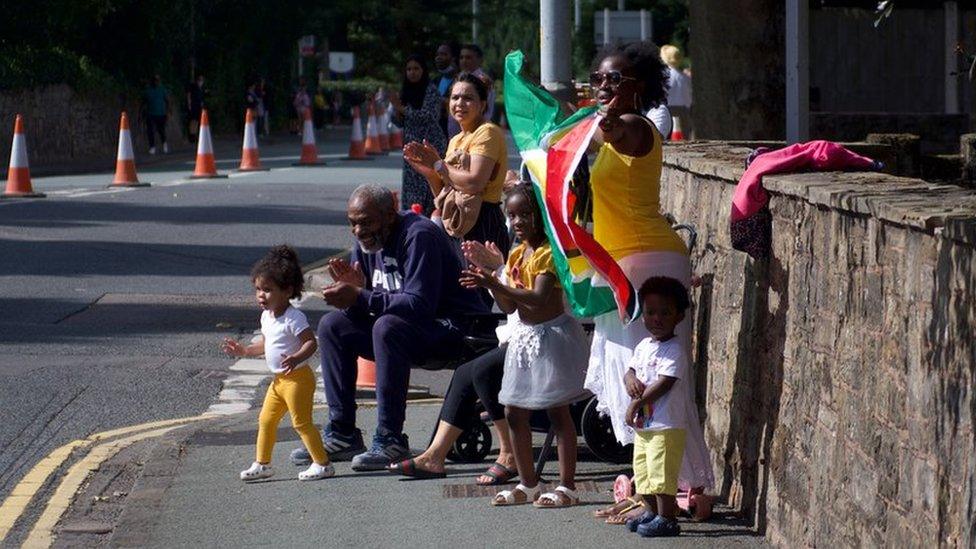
(578, 14)
(556, 50)
(621, 5)
(606, 26)
(645, 23)
(797, 71)
(951, 59)
(474, 21)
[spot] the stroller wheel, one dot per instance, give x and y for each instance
(598, 434)
(473, 445)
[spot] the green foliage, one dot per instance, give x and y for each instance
(29, 67)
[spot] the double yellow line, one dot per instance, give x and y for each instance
(20, 498)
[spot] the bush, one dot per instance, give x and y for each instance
(29, 67)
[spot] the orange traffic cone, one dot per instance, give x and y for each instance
(383, 121)
(125, 161)
(373, 145)
(396, 137)
(206, 168)
(357, 147)
(18, 176)
(366, 373)
(310, 156)
(250, 159)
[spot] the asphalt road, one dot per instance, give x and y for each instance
(112, 302)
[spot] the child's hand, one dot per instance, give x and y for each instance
(634, 416)
(341, 271)
(233, 348)
(635, 388)
(475, 277)
(289, 363)
(487, 255)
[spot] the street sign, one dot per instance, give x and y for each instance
(624, 26)
(341, 62)
(306, 45)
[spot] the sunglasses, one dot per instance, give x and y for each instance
(614, 77)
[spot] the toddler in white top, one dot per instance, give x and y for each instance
(657, 380)
(286, 342)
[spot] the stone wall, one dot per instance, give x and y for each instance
(837, 377)
(66, 130)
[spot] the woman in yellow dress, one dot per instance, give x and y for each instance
(627, 221)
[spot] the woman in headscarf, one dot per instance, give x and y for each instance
(417, 110)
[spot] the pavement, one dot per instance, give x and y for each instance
(182, 490)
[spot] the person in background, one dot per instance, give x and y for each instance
(196, 95)
(471, 58)
(679, 90)
(300, 101)
(157, 110)
(251, 99)
(445, 63)
(262, 92)
(417, 110)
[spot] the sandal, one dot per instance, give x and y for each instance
(510, 497)
(409, 468)
(560, 497)
(499, 474)
(619, 508)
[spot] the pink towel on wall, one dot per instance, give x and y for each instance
(824, 156)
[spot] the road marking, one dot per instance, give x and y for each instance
(239, 389)
(16, 503)
(42, 533)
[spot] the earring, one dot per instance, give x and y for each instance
(638, 103)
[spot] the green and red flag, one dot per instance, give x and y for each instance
(552, 145)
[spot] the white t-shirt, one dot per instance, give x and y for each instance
(281, 335)
(679, 90)
(661, 117)
(653, 358)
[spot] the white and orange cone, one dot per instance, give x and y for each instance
(310, 155)
(383, 121)
(250, 158)
(396, 137)
(357, 147)
(372, 135)
(206, 167)
(125, 160)
(18, 176)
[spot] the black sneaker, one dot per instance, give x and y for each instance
(386, 449)
(340, 447)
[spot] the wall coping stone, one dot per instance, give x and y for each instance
(944, 209)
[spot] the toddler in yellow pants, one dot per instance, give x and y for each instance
(286, 342)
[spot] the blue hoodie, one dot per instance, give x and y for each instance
(415, 275)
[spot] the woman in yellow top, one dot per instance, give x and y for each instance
(475, 163)
(627, 221)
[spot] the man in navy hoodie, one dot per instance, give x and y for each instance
(400, 302)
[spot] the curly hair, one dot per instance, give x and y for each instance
(645, 60)
(666, 287)
(281, 266)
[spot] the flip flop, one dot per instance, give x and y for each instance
(408, 468)
(499, 474)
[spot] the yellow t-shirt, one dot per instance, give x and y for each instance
(627, 203)
(522, 274)
(486, 140)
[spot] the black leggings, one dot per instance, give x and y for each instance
(479, 379)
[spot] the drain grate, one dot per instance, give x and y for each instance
(454, 491)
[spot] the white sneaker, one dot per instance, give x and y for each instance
(165, 148)
(316, 472)
(256, 472)
(152, 150)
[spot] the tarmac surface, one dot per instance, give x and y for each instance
(189, 495)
